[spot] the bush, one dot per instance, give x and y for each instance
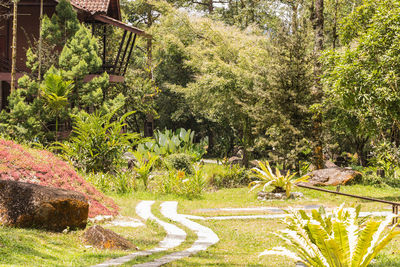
(177, 182)
(179, 162)
(182, 141)
(120, 183)
(378, 177)
(97, 142)
(223, 176)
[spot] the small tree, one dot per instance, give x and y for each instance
(55, 90)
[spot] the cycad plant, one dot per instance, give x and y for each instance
(339, 239)
(282, 183)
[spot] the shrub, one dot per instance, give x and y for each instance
(143, 166)
(179, 183)
(223, 176)
(97, 142)
(339, 239)
(120, 182)
(182, 141)
(42, 167)
(281, 183)
(179, 162)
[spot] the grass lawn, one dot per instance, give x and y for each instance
(240, 240)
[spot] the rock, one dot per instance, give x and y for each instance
(329, 164)
(106, 239)
(332, 176)
(34, 206)
(254, 164)
(278, 196)
(235, 160)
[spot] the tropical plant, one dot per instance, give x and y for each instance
(179, 161)
(143, 165)
(182, 141)
(182, 184)
(282, 183)
(55, 91)
(97, 142)
(337, 239)
(225, 176)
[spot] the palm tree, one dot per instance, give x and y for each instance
(55, 90)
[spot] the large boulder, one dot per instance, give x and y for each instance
(30, 205)
(102, 238)
(331, 176)
(25, 164)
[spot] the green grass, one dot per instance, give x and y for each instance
(240, 240)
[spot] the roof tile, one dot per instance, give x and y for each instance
(92, 6)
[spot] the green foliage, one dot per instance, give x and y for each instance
(119, 182)
(97, 142)
(143, 166)
(167, 143)
(80, 55)
(361, 78)
(55, 92)
(224, 176)
(179, 161)
(281, 183)
(62, 25)
(179, 183)
(339, 239)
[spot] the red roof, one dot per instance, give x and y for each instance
(92, 6)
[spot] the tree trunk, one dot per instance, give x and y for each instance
(318, 25)
(334, 30)
(210, 6)
(40, 42)
(149, 120)
(14, 46)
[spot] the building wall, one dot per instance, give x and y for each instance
(28, 29)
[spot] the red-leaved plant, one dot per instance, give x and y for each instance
(41, 167)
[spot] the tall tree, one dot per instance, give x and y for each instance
(317, 18)
(14, 45)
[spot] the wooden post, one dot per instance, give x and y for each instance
(14, 47)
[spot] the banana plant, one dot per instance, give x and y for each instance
(333, 240)
(282, 183)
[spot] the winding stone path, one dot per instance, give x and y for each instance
(206, 237)
(175, 236)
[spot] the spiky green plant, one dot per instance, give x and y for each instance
(143, 166)
(282, 183)
(339, 239)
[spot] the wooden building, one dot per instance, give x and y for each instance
(99, 14)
